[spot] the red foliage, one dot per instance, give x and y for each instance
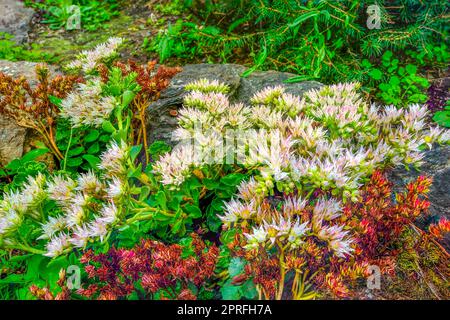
(152, 81)
(157, 266)
(378, 221)
(265, 271)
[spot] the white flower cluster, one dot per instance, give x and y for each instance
(89, 206)
(89, 60)
(329, 139)
(18, 205)
(290, 226)
(86, 106)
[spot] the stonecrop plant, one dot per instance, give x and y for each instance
(281, 199)
(88, 61)
(299, 213)
(83, 210)
(65, 211)
(320, 241)
(160, 269)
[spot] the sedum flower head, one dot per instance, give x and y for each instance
(61, 189)
(291, 224)
(98, 228)
(109, 213)
(57, 245)
(53, 226)
(12, 200)
(175, 167)
(277, 99)
(116, 189)
(28, 199)
(10, 221)
(89, 183)
(113, 160)
(75, 215)
(81, 236)
(256, 238)
(247, 190)
(33, 192)
(236, 210)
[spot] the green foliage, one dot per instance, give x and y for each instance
(158, 148)
(246, 290)
(37, 269)
(188, 208)
(220, 190)
(173, 7)
(183, 40)
(15, 173)
(118, 84)
(436, 55)
(93, 13)
(395, 83)
(9, 50)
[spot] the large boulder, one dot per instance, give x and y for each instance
(12, 140)
(15, 19)
(161, 115)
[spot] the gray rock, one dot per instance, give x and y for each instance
(436, 165)
(161, 118)
(19, 68)
(12, 136)
(15, 19)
